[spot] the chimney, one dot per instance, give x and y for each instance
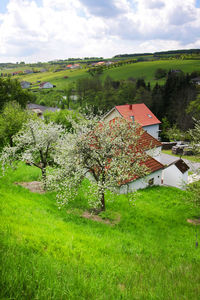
(130, 106)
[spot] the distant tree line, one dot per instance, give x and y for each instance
(184, 51)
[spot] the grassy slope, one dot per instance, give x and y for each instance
(47, 253)
(55, 78)
(137, 70)
(147, 69)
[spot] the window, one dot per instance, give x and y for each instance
(151, 181)
(149, 115)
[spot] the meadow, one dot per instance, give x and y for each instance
(144, 70)
(51, 253)
(56, 78)
(147, 70)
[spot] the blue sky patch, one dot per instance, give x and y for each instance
(197, 3)
(3, 5)
(38, 2)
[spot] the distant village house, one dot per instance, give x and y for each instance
(25, 84)
(40, 109)
(46, 85)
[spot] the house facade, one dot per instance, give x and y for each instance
(139, 113)
(40, 109)
(46, 85)
(155, 178)
(25, 84)
(176, 174)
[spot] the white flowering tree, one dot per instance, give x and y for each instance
(195, 137)
(35, 144)
(109, 153)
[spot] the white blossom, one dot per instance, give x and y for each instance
(109, 153)
(35, 144)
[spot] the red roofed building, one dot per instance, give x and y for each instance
(155, 169)
(154, 177)
(145, 144)
(148, 142)
(139, 113)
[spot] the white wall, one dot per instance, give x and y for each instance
(155, 153)
(142, 183)
(113, 114)
(47, 85)
(172, 176)
(152, 130)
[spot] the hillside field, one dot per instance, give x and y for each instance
(145, 70)
(47, 253)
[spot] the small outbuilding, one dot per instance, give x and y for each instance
(46, 85)
(176, 174)
(40, 109)
(25, 84)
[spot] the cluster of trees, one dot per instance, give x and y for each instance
(101, 150)
(10, 90)
(13, 101)
(97, 70)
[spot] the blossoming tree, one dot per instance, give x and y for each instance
(109, 153)
(36, 144)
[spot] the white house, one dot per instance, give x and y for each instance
(176, 174)
(136, 112)
(25, 84)
(196, 80)
(154, 177)
(46, 85)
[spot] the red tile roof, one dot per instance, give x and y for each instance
(152, 164)
(140, 112)
(147, 141)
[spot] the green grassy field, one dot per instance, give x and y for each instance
(147, 69)
(137, 70)
(56, 78)
(47, 253)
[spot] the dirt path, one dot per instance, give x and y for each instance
(33, 186)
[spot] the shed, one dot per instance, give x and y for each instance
(176, 174)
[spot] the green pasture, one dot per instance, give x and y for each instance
(47, 253)
(56, 78)
(147, 70)
(144, 70)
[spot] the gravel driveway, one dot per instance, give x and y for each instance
(167, 159)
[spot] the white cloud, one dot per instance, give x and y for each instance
(78, 28)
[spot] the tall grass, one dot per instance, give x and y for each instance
(47, 253)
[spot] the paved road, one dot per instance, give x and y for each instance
(167, 159)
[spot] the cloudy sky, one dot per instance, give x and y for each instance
(42, 30)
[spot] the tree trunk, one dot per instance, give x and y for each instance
(44, 177)
(103, 207)
(11, 141)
